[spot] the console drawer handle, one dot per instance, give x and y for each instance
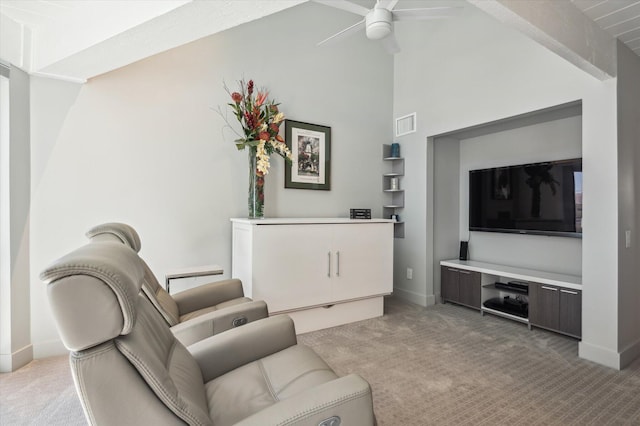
(549, 288)
(569, 292)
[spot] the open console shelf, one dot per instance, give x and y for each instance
(536, 298)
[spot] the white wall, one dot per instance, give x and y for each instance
(554, 140)
(473, 70)
(629, 194)
(143, 144)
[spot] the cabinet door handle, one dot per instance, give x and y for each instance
(465, 272)
(452, 270)
(337, 264)
(569, 292)
(329, 264)
(549, 288)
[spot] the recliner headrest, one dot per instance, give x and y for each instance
(93, 292)
(123, 232)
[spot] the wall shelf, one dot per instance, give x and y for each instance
(394, 197)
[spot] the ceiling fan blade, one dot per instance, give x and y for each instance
(344, 33)
(428, 13)
(390, 44)
(386, 4)
(345, 5)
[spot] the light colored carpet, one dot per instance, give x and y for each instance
(40, 393)
(448, 365)
(442, 365)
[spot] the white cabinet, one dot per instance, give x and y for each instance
(335, 270)
(290, 266)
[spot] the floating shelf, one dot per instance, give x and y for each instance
(394, 197)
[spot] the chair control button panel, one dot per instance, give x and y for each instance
(237, 322)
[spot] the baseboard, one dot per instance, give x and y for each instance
(20, 358)
(599, 354)
(49, 348)
(415, 298)
(431, 300)
(629, 354)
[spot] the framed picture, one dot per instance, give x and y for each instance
(310, 146)
(501, 183)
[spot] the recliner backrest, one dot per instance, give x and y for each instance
(120, 348)
(158, 296)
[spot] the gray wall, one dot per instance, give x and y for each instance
(447, 211)
(15, 333)
(629, 194)
(471, 71)
(144, 145)
(555, 140)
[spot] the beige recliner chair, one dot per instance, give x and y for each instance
(129, 369)
(195, 313)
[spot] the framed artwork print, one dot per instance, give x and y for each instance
(310, 146)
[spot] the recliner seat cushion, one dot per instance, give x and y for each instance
(206, 310)
(255, 386)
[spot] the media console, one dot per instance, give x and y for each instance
(537, 298)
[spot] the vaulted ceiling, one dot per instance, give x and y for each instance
(80, 39)
(620, 18)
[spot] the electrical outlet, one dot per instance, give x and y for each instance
(409, 273)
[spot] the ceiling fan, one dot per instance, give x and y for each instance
(378, 22)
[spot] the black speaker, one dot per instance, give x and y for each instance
(464, 250)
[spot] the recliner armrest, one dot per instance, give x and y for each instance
(227, 351)
(208, 295)
(348, 398)
(216, 322)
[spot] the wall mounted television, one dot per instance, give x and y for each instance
(541, 198)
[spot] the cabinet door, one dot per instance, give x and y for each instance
(291, 266)
(469, 288)
(544, 306)
(449, 283)
(571, 312)
(362, 256)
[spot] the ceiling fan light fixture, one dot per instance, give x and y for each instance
(378, 24)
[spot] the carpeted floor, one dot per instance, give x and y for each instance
(442, 365)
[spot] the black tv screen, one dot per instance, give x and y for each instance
(540, 198)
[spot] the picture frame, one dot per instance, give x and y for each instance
(310, 146)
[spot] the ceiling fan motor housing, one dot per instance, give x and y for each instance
(378, 23)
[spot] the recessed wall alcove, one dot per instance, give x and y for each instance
(552, 133)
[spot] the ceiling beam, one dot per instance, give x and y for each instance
(562, 28)
(95, 38)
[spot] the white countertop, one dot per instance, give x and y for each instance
(306, 220)
(542, 277)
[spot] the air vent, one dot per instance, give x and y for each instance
(405, 124)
